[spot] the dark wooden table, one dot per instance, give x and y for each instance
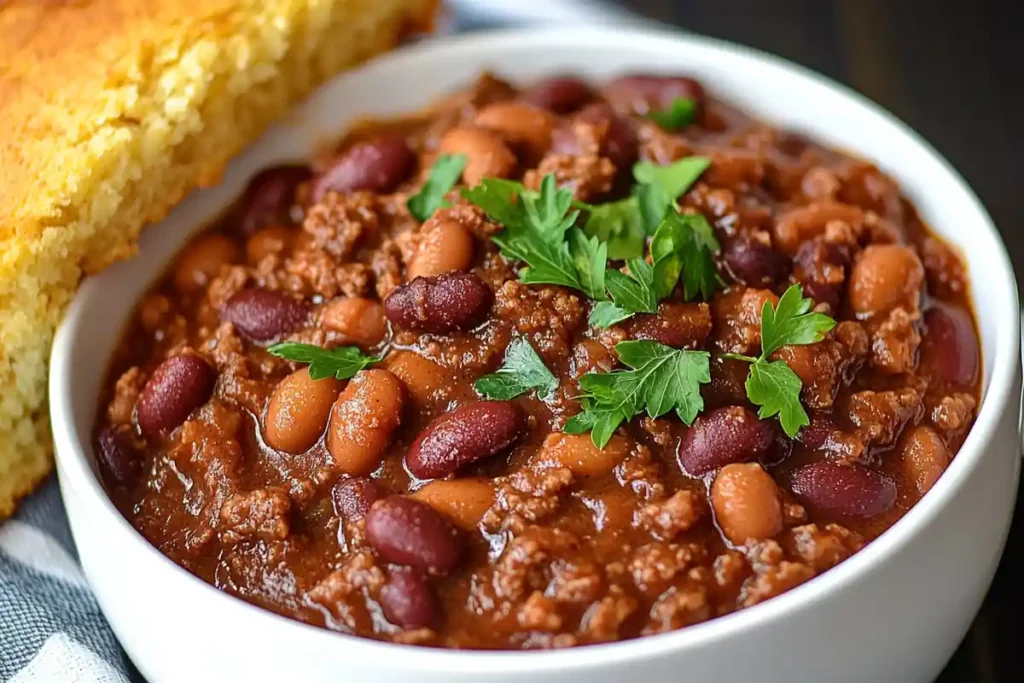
(946, 68)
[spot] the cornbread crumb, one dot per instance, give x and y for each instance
(110, 112)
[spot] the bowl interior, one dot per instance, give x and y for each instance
(771, 89)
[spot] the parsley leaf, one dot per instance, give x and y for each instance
(619, 224)
(685, 243)
(661, 379)
(589, 254)
(660, 186)
(680, 113)
(522, 371)
(443, 176)
(772, 385)
(342, 362)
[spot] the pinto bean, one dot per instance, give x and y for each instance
(578, 453)
(560, 94)
(120, 461)
(642, 93)
(178, 386)
(359, 320)
(487, 155)
(949, 349)
(885, 276)
(756, 264)
(679, 325)
(747, 503)
(464, 501)
(844, 489)
(407, 532)
(425, 380)
(407, 600)
(722, 436)
(525, 126)
(354, 497)
(378, 166)
(446, 247)
(202, 260)
(276, 239)
(264, 314)
(363, 420)
(923, 456)
(298, 411)
(454, 301)
(268, 199)
(469, 433)
(808, 222)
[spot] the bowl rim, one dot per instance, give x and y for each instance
(77, 474)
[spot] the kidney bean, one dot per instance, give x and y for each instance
(487, 155)
(359, 320)
(354, 497)
(949, 349)
(407, 600)
(723, 436)
(408, 532)
(923, 456)
(442, 304)
(120, 462)
(641, 93)
(446, 247)
(363, 419)
(620, 145)
(202, 260)
(264, 314)
(268, 199)
(578, 453)
(298, 411)
(378, 166)
(464, 501)
(747, 503)
(885, 276)
(820, 268)
(178, 386)
(467, 434)
(560, 94)
(527, 127)
(843, 489)
(755, 264)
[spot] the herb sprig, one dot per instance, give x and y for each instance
(680, 113)
(661, 379)
(522, 371)
(443, 175)
(342, 362)
(773, 385)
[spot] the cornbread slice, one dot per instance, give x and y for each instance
(110, 112)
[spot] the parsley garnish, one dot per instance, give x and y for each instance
(522, 371)
(680, 113)
(342, 362)
(773, 385)
(443, 176)
(661, 379)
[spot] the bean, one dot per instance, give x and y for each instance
(560, 94)
(425, 380)
(722, 436)
(363, 420)
(949, 348)
(407, 600)
(298, 411)
(679, 325)
(268, 199)
(442, 304)
(377, 166)
(642, 93)
(446, 247)
(178, 386)
(487, 155)
(407, 532)
(747, 503)
(843, 489)
(923, 456)
(467, 434)
(264, 314)
(354, 497)
(276, 239)
(525, 126)
(885, 276)
(620, 144)
(578, 453)
(820, 267)
(202, 260)
(756, 264)
(119, 460)
(359, 320)
(464, 501)
(807, 222)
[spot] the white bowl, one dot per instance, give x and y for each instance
(893, 612)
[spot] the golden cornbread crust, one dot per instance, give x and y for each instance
(110, 112)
